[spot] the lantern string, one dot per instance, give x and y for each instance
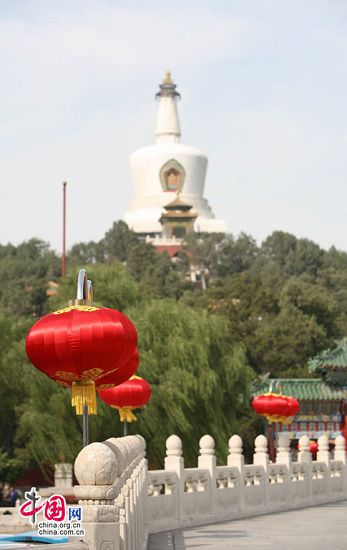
(83, 393)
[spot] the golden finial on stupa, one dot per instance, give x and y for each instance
(168, 79)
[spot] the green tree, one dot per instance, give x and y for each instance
(141, 259)
(48, 429)
(24, 273)
(312, 300)
(306, 257)
(200, 382)
(236, 255)
(291, 255)
(277, 247)
(118, 241)
(158, 276)
(336, 259)
(86, 253)
(269, 308)
(112, 285)
(203, 249)
(283, 344)
(12, 390)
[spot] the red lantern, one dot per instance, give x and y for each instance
(79, 346)
(313, 447)
(132, 394)
(276, 407)
(119, 376)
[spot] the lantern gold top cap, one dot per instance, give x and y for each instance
(84, 295)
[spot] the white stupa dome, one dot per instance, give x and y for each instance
(167, 167)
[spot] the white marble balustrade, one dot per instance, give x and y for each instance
(123, 502)
(210, 493)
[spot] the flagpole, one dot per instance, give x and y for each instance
(63, 257)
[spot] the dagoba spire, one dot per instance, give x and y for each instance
(168, 167)
(168, 126)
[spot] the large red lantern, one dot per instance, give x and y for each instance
(132, 394)
(276, 407)
(80, 346)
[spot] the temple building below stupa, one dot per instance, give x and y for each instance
(166, 169)
(178, 220)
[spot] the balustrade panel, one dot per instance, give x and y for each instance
(254, 487)
(227, 502)
(278, 490)
(197, 493)
(162, 499)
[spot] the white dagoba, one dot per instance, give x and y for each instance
(168, 167)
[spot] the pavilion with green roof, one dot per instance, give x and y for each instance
(331, 365)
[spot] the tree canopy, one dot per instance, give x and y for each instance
(264, 308)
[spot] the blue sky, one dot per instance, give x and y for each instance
(263, 85)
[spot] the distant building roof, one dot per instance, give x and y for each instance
(332, 364)
(178, 204)
(178, 210)
(303, 389)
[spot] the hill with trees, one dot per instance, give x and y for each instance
(262, 309)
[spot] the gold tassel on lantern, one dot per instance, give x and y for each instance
(126, 414)
(278, 418)
(83, 393)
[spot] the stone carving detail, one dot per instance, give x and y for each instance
(96, 492)
(93, 513)
(196, 480)
(164, 483)
(226, 478)
(96, 464)
(112, 478)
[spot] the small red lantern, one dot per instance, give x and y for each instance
(132, 394)
(80, 346)
(121, 375)
(276, 407)
(313, 447)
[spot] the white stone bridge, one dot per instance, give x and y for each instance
(127, 507)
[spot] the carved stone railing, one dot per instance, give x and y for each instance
(112, 491)
(123, 502)
(180, 497)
